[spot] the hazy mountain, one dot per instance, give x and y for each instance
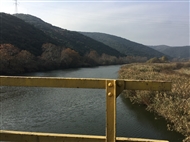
(80, 43)
(175, 52)
(160, 47)
(123, 45)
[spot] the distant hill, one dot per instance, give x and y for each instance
(21, 34)
(175, 52)
(160, 48)
(125, 46)
(28, 48)
(28, 44)
(74, 40)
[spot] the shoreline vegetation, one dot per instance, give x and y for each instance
(16, 61)
(172, 105)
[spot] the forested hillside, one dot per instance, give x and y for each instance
(125, 46)
(74, 40)
(26, 37)
(26, 48)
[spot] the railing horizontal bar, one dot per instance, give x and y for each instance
(147, 85)
(52, 137)
(81, 83)
(52, 82)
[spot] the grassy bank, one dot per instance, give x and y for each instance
(174, 105)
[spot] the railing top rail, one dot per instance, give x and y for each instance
(93, 83)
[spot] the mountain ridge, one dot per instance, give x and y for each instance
(123, 45)
(174, 51)
(22, 35)
(72, 39)
(26, 48)
(29, 44)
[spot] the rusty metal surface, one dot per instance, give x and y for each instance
(81, 83)
(52, 82)
(147, 85)
(111, 111)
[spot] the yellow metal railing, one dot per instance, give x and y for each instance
(113, 88)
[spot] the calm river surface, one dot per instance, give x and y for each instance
(76, 111)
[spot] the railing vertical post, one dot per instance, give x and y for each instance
(111, 111)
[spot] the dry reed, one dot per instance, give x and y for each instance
(173, 105)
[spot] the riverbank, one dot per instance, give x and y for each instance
(174, 106)
(15, 61)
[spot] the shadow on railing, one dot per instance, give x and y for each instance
(113, 88)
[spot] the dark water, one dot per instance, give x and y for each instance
(76, 111)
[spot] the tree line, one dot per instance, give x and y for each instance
(18, 61)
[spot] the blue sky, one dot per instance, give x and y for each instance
(150, 22)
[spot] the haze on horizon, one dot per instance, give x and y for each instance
(150, 22)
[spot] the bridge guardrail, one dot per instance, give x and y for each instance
(113, 88)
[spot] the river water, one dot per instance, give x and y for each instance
(76, 111)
